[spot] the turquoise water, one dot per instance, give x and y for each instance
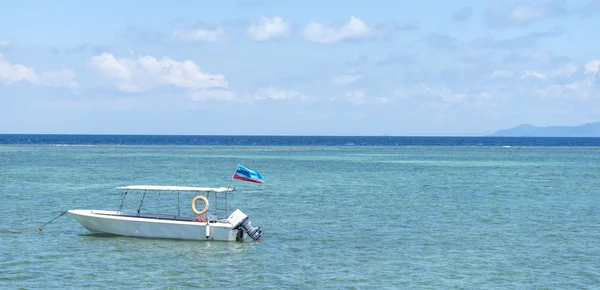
(334, 217)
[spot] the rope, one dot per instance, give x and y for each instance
(41, 228)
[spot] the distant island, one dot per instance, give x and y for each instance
(527, 130)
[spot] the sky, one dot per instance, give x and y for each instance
(258, 67)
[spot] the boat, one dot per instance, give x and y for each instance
(207, 225)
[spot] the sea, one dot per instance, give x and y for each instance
(338, 212)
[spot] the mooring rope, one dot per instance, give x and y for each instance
(41, 228)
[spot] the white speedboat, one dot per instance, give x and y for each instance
(205, 226)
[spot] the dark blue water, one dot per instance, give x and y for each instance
(293, 140)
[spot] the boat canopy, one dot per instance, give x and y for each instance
(175, 188)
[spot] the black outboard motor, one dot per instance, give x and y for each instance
(240, 220)
(254, 233)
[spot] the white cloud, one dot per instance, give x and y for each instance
(561, 74)
(4, 43)
(346, 79)
(359, 97)
(434, 94)
(568, 70)
(564, 83)
(356, 97)
(584, 89)
(529, 13)
(382, 100)
(265, 93)
(200, 35)
(267, 28)
(321, 33)
(147, 72)
(272, 93)
(214, 94)
(446, 94)
(13, 73)
(110, 66)
(501, 74)
(592, 67)
(60, 78)
(502, 14)
(533, 74)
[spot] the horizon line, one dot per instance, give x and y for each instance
(272, 135)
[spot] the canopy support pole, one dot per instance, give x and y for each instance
(123, 195)
(141, 202)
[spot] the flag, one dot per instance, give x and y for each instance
(243, 173)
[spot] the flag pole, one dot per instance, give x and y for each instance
(231, 180)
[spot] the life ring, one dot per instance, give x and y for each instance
(205, 205)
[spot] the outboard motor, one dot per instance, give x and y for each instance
(240, 220)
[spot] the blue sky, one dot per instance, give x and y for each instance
(426, 68)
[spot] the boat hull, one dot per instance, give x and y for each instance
(154, 226)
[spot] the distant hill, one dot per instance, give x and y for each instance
(527, 130)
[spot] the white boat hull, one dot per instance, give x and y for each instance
(154, 226)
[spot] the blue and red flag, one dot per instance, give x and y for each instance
(243, 173)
